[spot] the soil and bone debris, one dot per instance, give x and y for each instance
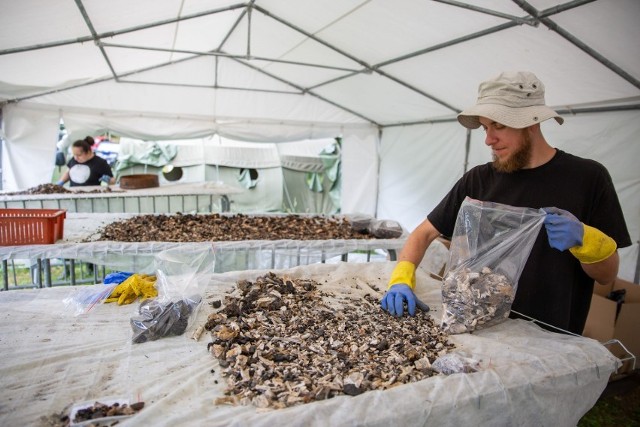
(473, 300)
(56, 189)
(282, 342)
(100, 410)
(216, 227)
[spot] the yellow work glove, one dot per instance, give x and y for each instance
(588, 244)
(137, 285)
(144, 287)
(596, 246)
(405, 272)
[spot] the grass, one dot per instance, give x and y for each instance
(621, 408)
(20, 275)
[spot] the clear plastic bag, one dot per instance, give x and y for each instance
(385, 229)
(490, 246)
(158, 319)
(360, 223)
(85, 298)
(181, 274)
(455, 363)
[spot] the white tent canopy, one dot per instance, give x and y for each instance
(388, 77)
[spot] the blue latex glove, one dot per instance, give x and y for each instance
(105, 178)
(116, 277)
(564, 230)
(395, 297)
(60, 183)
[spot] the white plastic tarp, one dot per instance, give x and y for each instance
(526, 376)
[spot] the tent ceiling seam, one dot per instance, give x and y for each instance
(312, 37)
(110, 34)
(94, 34)
(175, 32)
(353, 58)
(576, 42)
(92, 82)
(553, 10)
(225, 55)
(199, 118)
(421, 92)
(515, 19)
(566, 110)
(198, 86)
(233, 28)
(304, 90)
(452, 42)
(329, 25)
(249, 9)
(538, 16)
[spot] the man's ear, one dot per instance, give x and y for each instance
(533, 130)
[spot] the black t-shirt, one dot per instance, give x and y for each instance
(553, 288)
(89, 172)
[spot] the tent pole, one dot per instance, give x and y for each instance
(249, 9)
(219, 53)
(569, 111)
(110, 34)
(576, 42)
(467, 148)
(488, 12)
(636, 279)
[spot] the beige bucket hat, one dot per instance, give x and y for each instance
(514, 99)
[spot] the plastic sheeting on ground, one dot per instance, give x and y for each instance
(52, 360)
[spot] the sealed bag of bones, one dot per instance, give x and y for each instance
(489, 248)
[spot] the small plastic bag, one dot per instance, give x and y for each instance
(181, 274)
(455, 363)
(490, 246)
(360, 223)
(385, 229)
(85, 298)
(158, 319)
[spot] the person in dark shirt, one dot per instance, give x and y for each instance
(583, 227)
(85, 168)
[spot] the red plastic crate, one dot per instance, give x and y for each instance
(31, 226)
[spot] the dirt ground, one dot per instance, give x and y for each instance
(619, 404)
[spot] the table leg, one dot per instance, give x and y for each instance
(47, 272)
(225, 203)
(5, 274)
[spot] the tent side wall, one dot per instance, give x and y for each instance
(266, 196)
(27, 126)
(298, 197)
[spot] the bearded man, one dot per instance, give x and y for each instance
(584, 224)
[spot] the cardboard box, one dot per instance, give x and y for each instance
(604, 323)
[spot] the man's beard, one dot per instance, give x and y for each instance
(518, 160)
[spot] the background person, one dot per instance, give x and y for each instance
(584, 223)
(85, 168)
